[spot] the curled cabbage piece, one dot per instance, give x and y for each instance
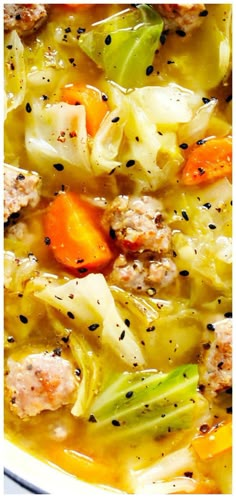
(142, 127)
(92, 308)
(124, 44)
(56, 141)
(14, 72)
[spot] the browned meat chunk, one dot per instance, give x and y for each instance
(136, 223)
(142, 274)
(216, 366)
(185, 17)
(42, 381)
(21, 189)
(25, 18)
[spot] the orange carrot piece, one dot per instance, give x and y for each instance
(74, 234)
(214, 442)
(91, 98)
(208, 162)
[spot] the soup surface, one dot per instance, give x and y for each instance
(117, 211)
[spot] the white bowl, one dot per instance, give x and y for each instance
(40, 478)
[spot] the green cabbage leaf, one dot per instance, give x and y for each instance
(124, 44)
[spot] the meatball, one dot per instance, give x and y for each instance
(24, 18)
(185, 17)
(21, 189)
(136, 223)
(216, 361)
(42, 381)
(141, 274)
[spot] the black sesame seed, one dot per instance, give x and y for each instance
(10, 339)
(204, 428)
(9, 47)
(185, 216)
(77, 372)
(108, 40)
(201, 171)
(92, 418)
(151, 328)
(20, 177)
(205, 100)
(115, 120)
(122, 335)
(130, 163)
(184, 273)
(104, 97)
(81, 30)
(112, 233)
(220, 365)
(180, 33)
(58, 166)
(228, 99)
(23, 319)
(93, 327)
(47, 241)
(82, 270)
(162, 39)
(228, 314)
(116, 423)
(149, 70)
(170, 62)
(127, 322)
(67, 30)
(207, 205)
(203, 13)
(129, 394)
(201, 141)
(28, 107)
(210, 326)
(57, 351)
(211, 226)
(44, 97)
(70, 315)
(183, 146)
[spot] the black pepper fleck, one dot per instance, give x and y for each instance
(183, 146)
(70, 315)
(116, 423)
(203, 13)
(129, 394)
(115, 120)
(92, 418)
(151, 328)
(211, 226)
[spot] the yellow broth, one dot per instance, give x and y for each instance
(182, 310)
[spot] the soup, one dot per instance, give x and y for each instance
(117, 211)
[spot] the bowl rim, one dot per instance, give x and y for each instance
(40, 477)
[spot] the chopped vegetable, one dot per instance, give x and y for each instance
(217, 440)
(148, 401)
(124, 44)
(208, 161)
(91, 98)
(76, 239)
(93, 308)
(14, 71)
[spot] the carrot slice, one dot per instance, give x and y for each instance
(74, 234)
(91, 98)
(217, 440)
(208, 162)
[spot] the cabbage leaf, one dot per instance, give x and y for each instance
(124, 44)
(93, 308)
